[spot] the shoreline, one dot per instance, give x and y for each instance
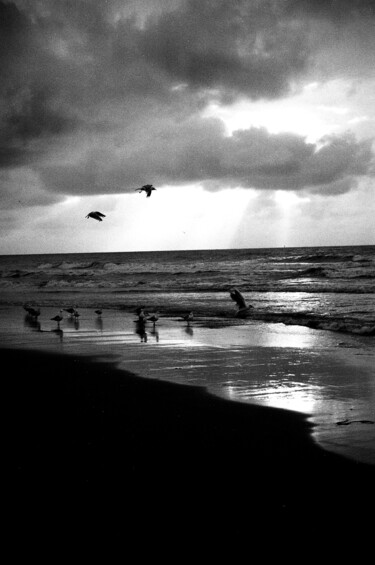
(80, 426)
(327, 377)
(215, 305)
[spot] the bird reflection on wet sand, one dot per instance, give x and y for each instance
(57, 319)
(99, 323)
(155, 333)
(140, 329)
(32, 323)
(59, 333)
(73, 321)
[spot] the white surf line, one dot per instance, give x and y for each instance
(95, 333)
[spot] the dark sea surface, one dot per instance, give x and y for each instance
(328, 288)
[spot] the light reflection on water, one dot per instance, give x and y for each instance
(298, 397)
(338, 394)
(326, 375)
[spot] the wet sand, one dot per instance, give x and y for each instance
(92, 441)
(80, 426)
(327, 376)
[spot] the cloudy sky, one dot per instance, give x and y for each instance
(254, 120)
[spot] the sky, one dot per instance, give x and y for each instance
(253, 119)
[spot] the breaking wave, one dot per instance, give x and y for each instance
(324, 288)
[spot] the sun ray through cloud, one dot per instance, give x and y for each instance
(101, 98)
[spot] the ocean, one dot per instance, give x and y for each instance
(326, 288)
(307, 343)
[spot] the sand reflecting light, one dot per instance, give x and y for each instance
(290, 396)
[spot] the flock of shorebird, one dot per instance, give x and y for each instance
(34, 313)
(243, 311)
(143, 315)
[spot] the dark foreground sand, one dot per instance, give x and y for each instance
(89, 443)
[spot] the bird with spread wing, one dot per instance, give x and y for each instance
(243, 309)
(147, 188)
(96, 215)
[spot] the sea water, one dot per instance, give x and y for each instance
(328, 288)
(307, 345)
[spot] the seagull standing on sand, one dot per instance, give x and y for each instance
(147, 188)
(76, 315)
(141, 311)
(141, 316)
(154, 318)
(141, 323)
(96, 215)
(243, 309)
(33, 312)
(70, 311)
(188, 318)
(57, 319)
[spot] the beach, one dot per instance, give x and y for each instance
(101, 416)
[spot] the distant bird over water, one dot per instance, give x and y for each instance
(147, 188)
(96, 215)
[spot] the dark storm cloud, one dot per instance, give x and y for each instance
(332, 9)
(22, 187)
(235, 47)
(104, 96)
(340, 34)
(32, 108)
(196, 151)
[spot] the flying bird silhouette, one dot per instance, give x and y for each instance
(147, 188)
(96, 215)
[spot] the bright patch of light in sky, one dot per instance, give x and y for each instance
(319, 109)
(172, 218)
(178, 218)
(192, 218)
